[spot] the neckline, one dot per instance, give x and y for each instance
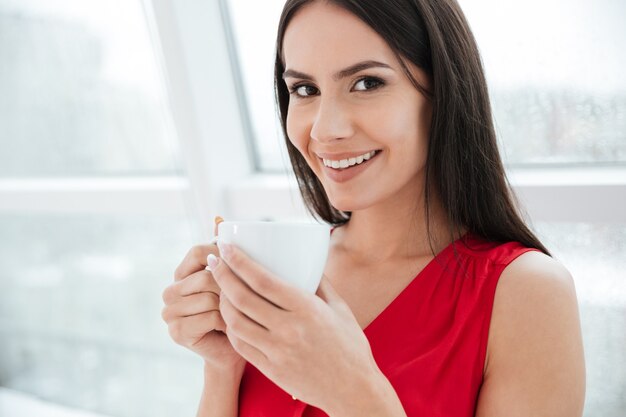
(416, 279)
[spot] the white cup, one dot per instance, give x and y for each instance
(294, 252)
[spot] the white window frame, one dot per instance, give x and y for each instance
(194, 49)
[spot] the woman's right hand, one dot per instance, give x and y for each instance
(192, 312)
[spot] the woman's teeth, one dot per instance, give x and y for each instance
(345, 163)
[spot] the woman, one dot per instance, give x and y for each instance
(436, 299)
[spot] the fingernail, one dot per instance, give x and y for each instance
(212, 261)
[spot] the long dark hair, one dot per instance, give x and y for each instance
(463, 162)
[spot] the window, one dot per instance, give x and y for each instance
(594, 254)
(94, 212)
(80, 307)
(81, 92)
(255, 48)
(555, 74)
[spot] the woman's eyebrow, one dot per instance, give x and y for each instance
(351, 70)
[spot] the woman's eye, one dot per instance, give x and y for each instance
(368, 83)
(304, 90)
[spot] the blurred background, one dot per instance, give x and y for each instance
(127, 125)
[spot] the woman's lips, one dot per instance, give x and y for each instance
(346, 174)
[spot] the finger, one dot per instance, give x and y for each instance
(184, 328)
(253, 305)
(195, 260)
(260, 280)
(201, 281)
(247, 351)
(191, 305)
(243, 326)
(203, 323)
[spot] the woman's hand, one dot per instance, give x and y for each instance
(310, 346)
(192, 312)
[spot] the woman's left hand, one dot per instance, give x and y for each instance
(312, 347)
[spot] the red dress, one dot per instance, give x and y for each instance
(430, 341)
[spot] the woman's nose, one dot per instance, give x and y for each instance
(332, 121)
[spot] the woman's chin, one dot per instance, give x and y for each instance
(347, 204)
(349, 199)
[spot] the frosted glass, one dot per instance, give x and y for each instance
(81, 92)
(254, 28)
(80, 313)
(595, 255)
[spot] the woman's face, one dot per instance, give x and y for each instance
(349, 97)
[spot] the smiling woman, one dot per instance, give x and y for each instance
(437, 298)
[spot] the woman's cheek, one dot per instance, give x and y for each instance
(296, 130)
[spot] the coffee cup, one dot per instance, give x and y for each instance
(295, 252)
